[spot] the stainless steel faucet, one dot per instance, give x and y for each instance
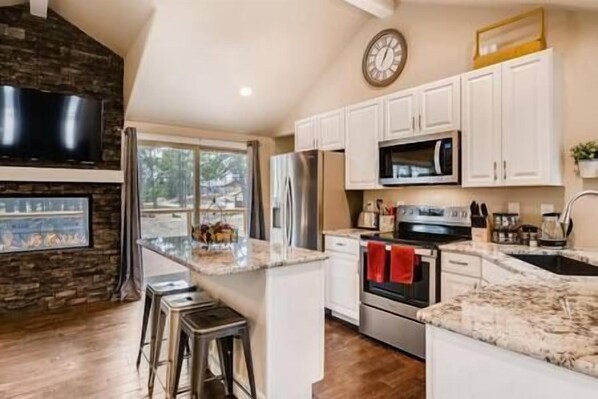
(565, 218)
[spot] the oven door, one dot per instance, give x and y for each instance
(402, 299)
(432, 159)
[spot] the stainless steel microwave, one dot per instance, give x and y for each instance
(429, 159)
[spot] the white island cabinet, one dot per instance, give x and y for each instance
(280, 292)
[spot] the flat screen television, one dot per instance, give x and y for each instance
(49, 126)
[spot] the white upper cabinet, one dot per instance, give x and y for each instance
(511, 135)
(440, 106)
(321, 132)
(427, 109)
(481, 127)
(363, 131)
(331, 130)
(531, 142)
(401, 110)
(305, 134)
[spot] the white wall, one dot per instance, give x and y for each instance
(441, 42)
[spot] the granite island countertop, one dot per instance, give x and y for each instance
(539, 314)
(245, 256)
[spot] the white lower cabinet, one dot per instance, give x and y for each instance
(462, 273)
(342, 280)
(456, 284)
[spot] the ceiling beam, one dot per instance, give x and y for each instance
(378, 8)
(39, 8)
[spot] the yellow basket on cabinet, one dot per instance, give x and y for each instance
(514, 47)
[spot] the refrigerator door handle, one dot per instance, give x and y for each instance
(289, 212)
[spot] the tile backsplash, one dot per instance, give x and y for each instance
(497, 199)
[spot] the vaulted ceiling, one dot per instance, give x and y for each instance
(186, 60)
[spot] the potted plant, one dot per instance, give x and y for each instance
(586, 157)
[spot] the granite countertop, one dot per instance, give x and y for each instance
(348, 233)
(245, 256)
(554, 322)
(499, 255)
(539, 314)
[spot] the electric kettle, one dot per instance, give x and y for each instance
(551, 232)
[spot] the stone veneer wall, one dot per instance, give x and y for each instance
(51, 54)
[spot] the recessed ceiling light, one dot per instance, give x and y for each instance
(245, 91)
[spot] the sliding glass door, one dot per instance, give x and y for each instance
(182, 185)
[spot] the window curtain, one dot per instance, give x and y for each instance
(130, 282)
(257, 229)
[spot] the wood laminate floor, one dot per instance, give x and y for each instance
(89, 352)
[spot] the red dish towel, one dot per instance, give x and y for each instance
(376, 262)
(402, 264)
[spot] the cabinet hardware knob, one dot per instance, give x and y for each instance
(505, 170)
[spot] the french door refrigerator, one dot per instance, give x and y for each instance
(309, 197)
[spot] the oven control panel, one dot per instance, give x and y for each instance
(456, 215)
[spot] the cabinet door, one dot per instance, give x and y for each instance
(481, 130)
(331, 130)
(401, 113)
(305, 134)
(363, 131)
(440, 106)
(342, 284)
(528, 129)
(452, 285)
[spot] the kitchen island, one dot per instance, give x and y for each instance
(533, 335)
(280, 291)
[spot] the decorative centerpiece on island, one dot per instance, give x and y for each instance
(214, 233)
(586, 157)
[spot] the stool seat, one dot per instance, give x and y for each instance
(186, 301)
(170, 287)
(212, 320)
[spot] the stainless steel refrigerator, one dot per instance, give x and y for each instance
(309, 197)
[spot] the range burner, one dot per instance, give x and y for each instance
(427, 226)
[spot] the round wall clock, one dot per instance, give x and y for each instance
(385, 58)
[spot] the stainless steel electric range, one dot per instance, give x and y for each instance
(388, 310)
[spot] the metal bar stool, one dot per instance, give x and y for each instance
(201, 327)
(173, 308)
(153, 296)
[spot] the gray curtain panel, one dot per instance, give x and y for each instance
(130, 283)
(257, 229)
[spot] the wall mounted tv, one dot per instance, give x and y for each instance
(37, 125)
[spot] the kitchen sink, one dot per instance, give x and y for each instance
(560, 264)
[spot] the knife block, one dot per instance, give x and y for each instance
(479, 234)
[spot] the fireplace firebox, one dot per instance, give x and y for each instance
(40, 223)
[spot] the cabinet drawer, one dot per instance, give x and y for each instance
(341, 244)
(466, 265)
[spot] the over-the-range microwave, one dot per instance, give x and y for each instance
(417, 160)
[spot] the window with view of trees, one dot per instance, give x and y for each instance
(183, 184)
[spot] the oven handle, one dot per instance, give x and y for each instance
(424, 252)
(437, 158)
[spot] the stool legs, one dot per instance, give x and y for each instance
(225, 347)
(248, 361)
(173, 352)
(146, 314)
(199, 363)
(155, 350)
(183, 343)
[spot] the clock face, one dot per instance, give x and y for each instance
(385, 58)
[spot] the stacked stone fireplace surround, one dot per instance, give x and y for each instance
(51, 54)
